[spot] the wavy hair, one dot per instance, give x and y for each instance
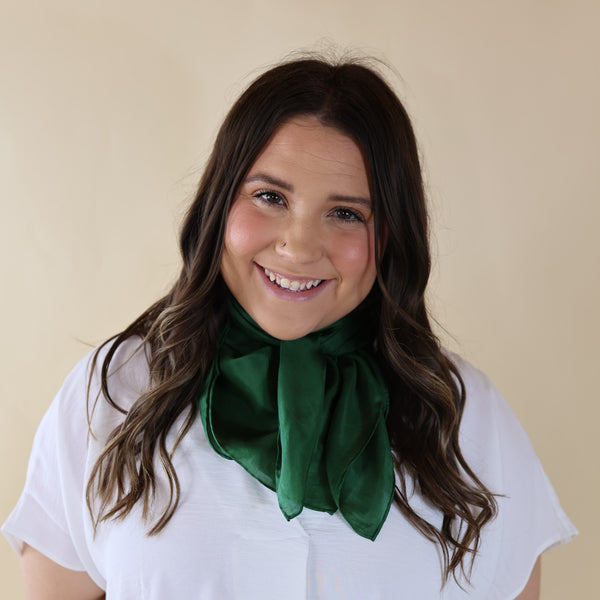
(181, 330)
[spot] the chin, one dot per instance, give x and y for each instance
(288, 326)
(286, 333)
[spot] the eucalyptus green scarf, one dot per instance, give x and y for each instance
(305, 417)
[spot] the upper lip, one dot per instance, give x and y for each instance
(291, 277)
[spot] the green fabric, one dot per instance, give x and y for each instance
(305, 417)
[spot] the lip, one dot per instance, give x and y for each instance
(294, 296)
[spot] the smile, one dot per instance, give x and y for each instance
(292, 285)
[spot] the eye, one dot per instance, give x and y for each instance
(348, 215)
(269, 197)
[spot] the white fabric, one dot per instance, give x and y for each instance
(228, 539)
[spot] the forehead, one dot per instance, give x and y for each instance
(304, 146)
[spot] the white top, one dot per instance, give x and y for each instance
(228, 539)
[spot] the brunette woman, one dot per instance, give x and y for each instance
(284, 422)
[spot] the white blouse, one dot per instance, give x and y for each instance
(228, 539)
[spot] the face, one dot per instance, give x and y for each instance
(299, 243)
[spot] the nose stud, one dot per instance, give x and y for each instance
(282, 244)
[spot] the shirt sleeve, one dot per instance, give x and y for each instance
(51, 514)
(530, 519)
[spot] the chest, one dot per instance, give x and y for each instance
(229, 540)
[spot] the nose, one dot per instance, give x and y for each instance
(301, 243)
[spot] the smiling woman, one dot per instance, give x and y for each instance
(284, 422)
(301, 230)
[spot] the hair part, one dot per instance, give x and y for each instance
(427, 394)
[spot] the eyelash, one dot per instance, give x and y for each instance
(354, 215)
(276, 199)
(261, 195)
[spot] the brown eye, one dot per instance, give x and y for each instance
(348, 214)
(269, 197)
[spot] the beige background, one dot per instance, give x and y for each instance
(107, 113)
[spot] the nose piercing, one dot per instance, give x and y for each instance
(282, 244)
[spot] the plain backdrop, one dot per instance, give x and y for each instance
(108, 110)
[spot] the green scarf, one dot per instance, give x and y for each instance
(305, 417)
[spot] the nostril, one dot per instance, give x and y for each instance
(300, 248)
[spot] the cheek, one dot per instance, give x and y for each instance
(354, 256)
(246, 231)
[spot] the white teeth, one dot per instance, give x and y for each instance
(292, 285)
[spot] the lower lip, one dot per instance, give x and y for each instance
(289, 295)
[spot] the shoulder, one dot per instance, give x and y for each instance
(486, 412)
(128, 367)
(478, 386)
(492, 439)
(80, 398)
(128, 375)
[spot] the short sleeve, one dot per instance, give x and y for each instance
(50, 515)
(530, 519)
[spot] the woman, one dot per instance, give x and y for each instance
(284, 423)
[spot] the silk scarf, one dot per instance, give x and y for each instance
(305, 417)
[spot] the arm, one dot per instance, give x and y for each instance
(46, 580)
(532, 589)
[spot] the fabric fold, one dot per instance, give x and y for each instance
(305, 417)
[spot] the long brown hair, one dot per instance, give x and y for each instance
(181, 330)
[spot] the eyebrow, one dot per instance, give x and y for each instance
(290, 188)
(352, 200)
(270, 179)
